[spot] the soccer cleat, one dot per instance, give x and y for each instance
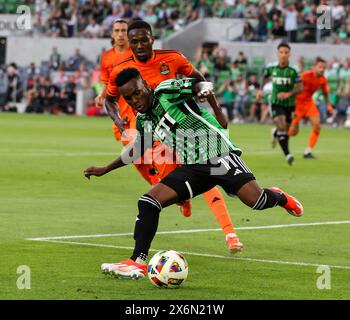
(128, 269)
(233, 244)
(273, 137)
(186, 208)
(293, 205)
(290, 159)
(309, 155)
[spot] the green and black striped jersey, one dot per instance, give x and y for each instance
(180, 123)
(283, 80)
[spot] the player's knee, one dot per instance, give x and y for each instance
(293, 131)
(317, 128)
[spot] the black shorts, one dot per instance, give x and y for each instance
(229, 172)
(278, 110)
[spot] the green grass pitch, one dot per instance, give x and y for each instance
(43, 194)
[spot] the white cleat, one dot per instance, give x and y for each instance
(290, 159)
(127, 269)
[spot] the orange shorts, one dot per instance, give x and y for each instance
(305, 109)
(165, 159)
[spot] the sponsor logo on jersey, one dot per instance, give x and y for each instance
(164, 69)
(281, 80)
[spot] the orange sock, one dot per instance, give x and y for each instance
(313, 137)
(217, 205)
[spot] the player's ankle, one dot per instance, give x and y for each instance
(140, 261)
(307, 150)
(231, 235)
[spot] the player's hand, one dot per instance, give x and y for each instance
(283, 95)
(99, 100)
(330, 109)
(205, 89)
(94, 171)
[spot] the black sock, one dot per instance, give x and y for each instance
(269, 199)
(146, 226)
(283, 140)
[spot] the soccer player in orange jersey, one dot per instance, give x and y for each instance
(305, 106)
(120, 51)
(156, 66)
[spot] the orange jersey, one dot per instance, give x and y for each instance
(109, 60)
(164, 65)
(311, 83)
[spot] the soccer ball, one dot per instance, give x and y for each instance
(167, 269)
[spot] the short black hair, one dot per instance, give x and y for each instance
(140, 24)
(126, 75)
(13, 65)
(319, 59)
(283, 45)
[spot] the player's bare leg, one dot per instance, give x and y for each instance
(315, 133)
(265, 112)
(282, 136)
(293, 129)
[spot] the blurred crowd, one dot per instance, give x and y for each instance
(295, 21)
(93, 18)
(52, 86)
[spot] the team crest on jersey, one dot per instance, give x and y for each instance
(164, 69)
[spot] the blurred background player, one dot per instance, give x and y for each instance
(120, 51)
(313, 80)
(156, 66)
(286, 83)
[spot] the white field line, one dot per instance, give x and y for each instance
(276, 226)
(294, 263)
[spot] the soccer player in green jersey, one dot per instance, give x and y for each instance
(286, 84)
(208, 157)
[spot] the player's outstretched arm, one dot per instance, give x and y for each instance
(219, 115)
(112, 109)
(130, 154)
(101, 171)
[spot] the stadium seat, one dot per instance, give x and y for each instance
(10, 8)
(222, 77)
(172, 3)
(257, 66)
(308, 63)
